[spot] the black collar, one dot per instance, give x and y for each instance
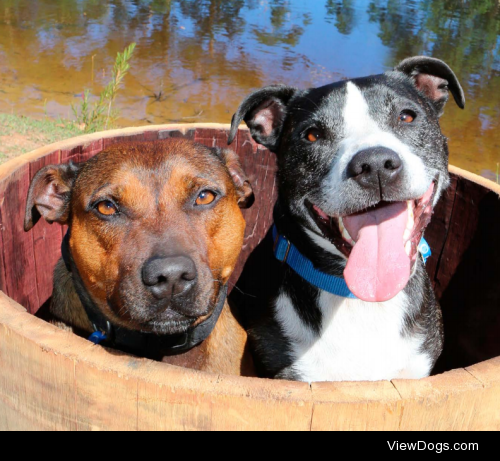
(146, 345)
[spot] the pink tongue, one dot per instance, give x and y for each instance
(378, 268)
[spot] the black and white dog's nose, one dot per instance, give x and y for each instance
(375, 167)
(168, 277)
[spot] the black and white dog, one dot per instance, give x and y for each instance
(338, 290)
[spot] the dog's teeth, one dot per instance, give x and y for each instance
(411, 222)
(408, 247)
(411, 209)
(345, 234)
(407, 235)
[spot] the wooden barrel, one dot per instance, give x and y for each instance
(51, 379)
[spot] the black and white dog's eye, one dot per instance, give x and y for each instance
(407, 116)
(313, 135)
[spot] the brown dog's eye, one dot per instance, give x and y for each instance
(313, 135)
(205, 198)
(408, 116)
(107, 208)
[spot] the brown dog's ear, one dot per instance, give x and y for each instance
(244, 189)
(435, 79)
(49, 195)
(264, 113)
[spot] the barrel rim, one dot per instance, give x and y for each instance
(16, 320)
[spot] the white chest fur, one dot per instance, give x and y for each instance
(359, 341)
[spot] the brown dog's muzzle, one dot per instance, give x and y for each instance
(167, 278)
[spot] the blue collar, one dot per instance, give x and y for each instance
(287, 253)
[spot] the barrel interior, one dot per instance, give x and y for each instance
(464, 236)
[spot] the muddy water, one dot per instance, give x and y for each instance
(196, 59)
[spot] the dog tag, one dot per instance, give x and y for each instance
(425, 250)
(97, 338)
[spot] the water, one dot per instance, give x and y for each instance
(197, 59)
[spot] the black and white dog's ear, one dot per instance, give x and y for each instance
(264, 113)
(49, 195)
(435, 79)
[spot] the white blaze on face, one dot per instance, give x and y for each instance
(357, 120)
(361, 131)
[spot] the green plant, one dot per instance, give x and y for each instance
(100, 115)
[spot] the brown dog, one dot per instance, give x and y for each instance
(155, 231)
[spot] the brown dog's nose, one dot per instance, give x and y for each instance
(375, 168)
(169, 277)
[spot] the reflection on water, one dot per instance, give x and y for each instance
(196, 59)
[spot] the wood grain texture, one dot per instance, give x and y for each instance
(106, 396)
(487, 415)
(52, 380)
(35, 386)
(209, 402)
(18, 250)
(212, 138)
(446, 402)
(462, 228)
(469, 277)
(137, 137)
(91, 149)
(438, 231)
(188, 133)
(71, 155)
(356, 407)
(150, 135)
(3, 284)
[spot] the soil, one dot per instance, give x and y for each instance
(16, 144)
